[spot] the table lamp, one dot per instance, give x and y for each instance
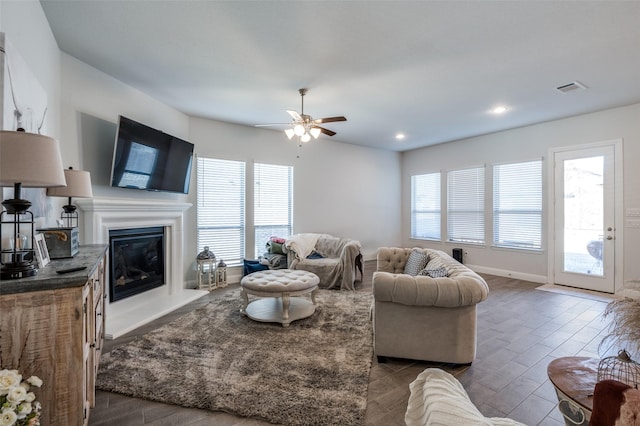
(79, 186)
(32, 161)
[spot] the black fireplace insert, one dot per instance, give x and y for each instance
(136, 261)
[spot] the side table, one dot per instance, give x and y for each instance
(574, 379)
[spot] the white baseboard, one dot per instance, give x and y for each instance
(511, 274)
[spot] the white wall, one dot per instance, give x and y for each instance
(524, 144)
(28, 32)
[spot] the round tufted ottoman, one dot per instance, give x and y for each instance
(277, 287)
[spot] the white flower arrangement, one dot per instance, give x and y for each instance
(18, 406)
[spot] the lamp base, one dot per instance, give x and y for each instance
(12, 271)
(16, 205)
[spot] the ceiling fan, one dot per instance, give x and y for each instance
(304, 125)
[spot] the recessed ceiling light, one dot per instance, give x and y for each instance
(501, 109)
(400, 136)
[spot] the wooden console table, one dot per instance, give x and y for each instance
(54, 325)
(574, 379)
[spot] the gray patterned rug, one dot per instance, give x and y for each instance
(315, 372)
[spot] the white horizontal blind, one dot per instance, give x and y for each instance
(465, 205)
(272, 203)
(221, 207)
(425, 206)
(517, 205)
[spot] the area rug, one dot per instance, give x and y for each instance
(314, 372)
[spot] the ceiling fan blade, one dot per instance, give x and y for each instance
(325, 131)
(330, 119)
(294, 115)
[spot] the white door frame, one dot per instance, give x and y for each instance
(618, 209)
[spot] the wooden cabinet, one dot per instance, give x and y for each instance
(52, 326)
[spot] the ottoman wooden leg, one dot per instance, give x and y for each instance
(285, 310)
(245, 301)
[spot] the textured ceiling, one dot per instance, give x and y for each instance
(430, 69)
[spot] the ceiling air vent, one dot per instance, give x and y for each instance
(571, 87)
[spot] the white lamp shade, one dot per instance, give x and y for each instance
(305, 137)
(315, 132)
(290, 133)
(30, 159)
(78, 185)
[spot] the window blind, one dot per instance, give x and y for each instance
(425, 206)
(465, 205)
(517, 205)
(221, 208)
(272, 203)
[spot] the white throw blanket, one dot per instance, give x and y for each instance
(438, 398)
(302, 244)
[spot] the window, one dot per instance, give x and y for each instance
(272, 203)
(465, 205)
(517, 205)
(221, 207)
(425, 206)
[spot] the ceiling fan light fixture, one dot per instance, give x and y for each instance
(305, 137)
(298, 130)
(290, 133)
(315, 132)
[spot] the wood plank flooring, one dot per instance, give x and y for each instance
(520, 330)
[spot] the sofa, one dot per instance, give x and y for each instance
(438, 398)
(336, 261)
(422, 317)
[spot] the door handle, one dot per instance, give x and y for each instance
(609, 237)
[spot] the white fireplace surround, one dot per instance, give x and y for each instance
(100, 215)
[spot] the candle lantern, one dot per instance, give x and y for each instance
(205, 264)
(221, 274)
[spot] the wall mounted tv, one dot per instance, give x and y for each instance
(146, 158)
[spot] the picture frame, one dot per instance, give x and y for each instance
(42, 252)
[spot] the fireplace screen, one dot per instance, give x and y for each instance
(137, 261)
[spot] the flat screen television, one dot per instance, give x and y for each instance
(146, 158)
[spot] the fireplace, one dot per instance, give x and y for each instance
(102, 216)
(136, 261)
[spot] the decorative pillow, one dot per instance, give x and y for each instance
(416, 262)
(434, 273)
(251, 266)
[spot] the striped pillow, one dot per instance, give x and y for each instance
(416, 262)
(434, 273)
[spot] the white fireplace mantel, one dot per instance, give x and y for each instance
(100, 215)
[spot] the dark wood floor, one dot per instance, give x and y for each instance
(520, 330)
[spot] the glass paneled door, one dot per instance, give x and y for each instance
(584, 187)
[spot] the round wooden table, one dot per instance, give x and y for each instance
(574, 379)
